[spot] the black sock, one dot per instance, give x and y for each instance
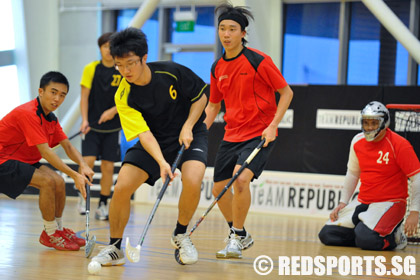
(230, 228)
(180, 229)
(239, 232)
(103, 199)
(116, 242)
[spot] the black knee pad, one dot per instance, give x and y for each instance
(368, 239)
(336, 236)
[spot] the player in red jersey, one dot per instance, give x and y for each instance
(247, 80)
(383, 161)
(27, 134)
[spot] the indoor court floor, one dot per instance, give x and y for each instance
(23, 257)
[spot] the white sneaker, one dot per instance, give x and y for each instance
(110, 255)
(81, 205)
(400, 238)
(187, 252)
(233, 249)
(246, 242)
(102, 213)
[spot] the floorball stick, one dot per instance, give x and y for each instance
(133, 253)
(70, 138)
(90, 243)
(74, 135)
(244, 165)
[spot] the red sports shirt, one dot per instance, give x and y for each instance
(25, 127)
(247, 84)
(384, 167)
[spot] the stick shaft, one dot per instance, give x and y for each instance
(75, 135)
(244, 165)
(159, 198)
(87, 210)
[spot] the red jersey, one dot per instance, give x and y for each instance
(247, 84)
(25, 127)
(384, 167)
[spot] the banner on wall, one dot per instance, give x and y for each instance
(338, 119)
(273, 192)
(286, 122)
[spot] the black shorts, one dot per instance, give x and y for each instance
(137, 156)
(104, 146)
(231, 154)
(15, 176)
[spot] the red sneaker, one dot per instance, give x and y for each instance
(72, 236)
(58, 241)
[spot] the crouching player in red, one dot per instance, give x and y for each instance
(27, 134)
(383, 161)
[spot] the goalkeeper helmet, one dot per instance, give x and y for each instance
(376, 111)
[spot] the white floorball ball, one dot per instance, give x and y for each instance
(94, 267)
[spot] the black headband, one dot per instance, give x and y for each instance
(242, 20)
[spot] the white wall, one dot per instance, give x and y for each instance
(21, 52)
(78, 47)
(37, 41)
(264, 32)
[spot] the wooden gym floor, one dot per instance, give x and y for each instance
(23, 257)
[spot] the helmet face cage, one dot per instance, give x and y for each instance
(375, 110)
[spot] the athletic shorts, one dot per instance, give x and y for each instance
(381, 217)
(138, 156)
(231, 154)
(104, 146)
(15, 176)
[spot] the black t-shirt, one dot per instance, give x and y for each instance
(104, 82)
(165, 102)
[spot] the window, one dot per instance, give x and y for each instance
(204, 31)
(194, 49)
(375, 57)
(199, 62)
(150, 28)
(363, 65)
(7, 41)
(402, 10)
(9, 89)
(311, 43)
(401, 66)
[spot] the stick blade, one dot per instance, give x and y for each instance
(132, 253)
(90, 245)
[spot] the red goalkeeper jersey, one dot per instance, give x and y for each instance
(384, 167)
